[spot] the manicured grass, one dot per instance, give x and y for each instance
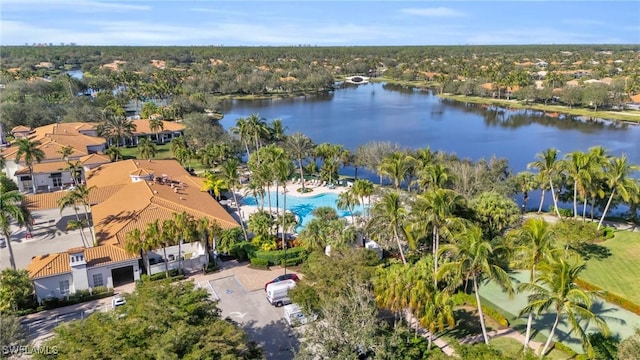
(512, 347)
(132, 152)
(630, 116)
(620, 272)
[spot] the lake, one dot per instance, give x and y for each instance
(356, 114)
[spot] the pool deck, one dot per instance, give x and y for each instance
(244, 211)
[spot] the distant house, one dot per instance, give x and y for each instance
(127, 195)
(52, 172)
(542, 64)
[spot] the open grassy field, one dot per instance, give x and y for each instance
(513, 347)
(132, 152)
(620, 272)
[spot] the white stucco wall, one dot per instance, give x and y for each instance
(50, 286)
(107, 278)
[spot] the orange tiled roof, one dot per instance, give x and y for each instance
(635, 98)
(141, 172)
(44, 168)
(46, 201)
(95, 159)
(20, 129)
(55, 264)
(49, 265)
(143, 126)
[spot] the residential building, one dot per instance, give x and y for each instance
(126, 195)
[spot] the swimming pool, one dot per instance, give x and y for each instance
(302, 206)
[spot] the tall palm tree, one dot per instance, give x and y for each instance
(438, 208)
(231, 177)
(555, 289)
(154, 239)
(536, 237)
(146, 149)
(277, 131)
(397, 166)
(68, 200)
(80, 194)
(347, 200)
(578, 166)
(30, 152)
(156, 125)
(301, 147)
(599, 158)
(208, 232)
(75, 169)
(472, 258)
(242, 130)
(388, 217)
(527, 182)
(618, 180)
(11, 210)
(168, 235)
(135, 245)
(117, 129)
(434, 175)
(282, 169)
(548, 167)
(363, 188)
(257, 128)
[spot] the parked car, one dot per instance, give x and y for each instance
(278, 293)
(294, 316)
(3, 243)
(117, 301)
(289, 276)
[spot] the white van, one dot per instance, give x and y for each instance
(293, 315)
(278, 293)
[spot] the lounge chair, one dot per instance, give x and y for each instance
(324, 183)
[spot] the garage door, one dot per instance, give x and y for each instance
(122, 275)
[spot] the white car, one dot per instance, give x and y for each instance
(117, 301)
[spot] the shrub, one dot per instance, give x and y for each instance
(612, 298)
(260, 263)
(292, 261)
(276, 257)
(242, 250)
(211, 267)
(565, 349)
(608, 233)
(100, 289)
(461, 298)
(563, 212)
(161, 275)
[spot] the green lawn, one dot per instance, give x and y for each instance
(132, 152)
(620, 272)
(512, 347)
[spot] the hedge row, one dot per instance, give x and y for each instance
(75, 298)
(569, 351)
(259, 263)
(173, 276)
(278, 256)
(610, 297)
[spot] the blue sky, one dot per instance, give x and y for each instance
(205, 22)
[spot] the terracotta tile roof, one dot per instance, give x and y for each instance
(95, 159)
(141, 172)
(45, 201)
(75, 250)
(143, 126)
(106, 254)
(49, 265)
(86, 126)
(45, 168)
(20, 129)
(635, 98)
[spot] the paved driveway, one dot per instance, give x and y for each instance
(250, 309)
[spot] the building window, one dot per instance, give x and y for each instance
(57, 180)
(97, 280)
(64, 287)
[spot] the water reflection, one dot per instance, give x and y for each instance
(515, 118)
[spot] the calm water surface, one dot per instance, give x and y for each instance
(357, 114)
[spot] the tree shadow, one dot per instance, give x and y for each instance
(467, 324)
(588, 251)
(277, 339)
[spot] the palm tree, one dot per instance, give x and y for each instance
(156, 125)
(146, 149)
(135, 245)
(80, 194)
(65, 152)
(363, 188)
(599, 158)
(11, 210)
(30, 151)
(257, 129)
(554, 288)
(242, 130)
(208, 231)
(231, 178)
(347, 200)
(618, 179)
(578, 166)
(277, 131)
(68, 200)
(472, 258)
(75, 169)
(113, 152)
(536, 239)
(527, 182)
(397, 166)
(387, 217)
(438, 208)
(282, 169)
(434, 175)
(154, 239)
(117, 129)
(214, 184)
(301, 147)
(168, 235)
(548, 166)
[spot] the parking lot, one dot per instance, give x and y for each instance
(263, 322)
